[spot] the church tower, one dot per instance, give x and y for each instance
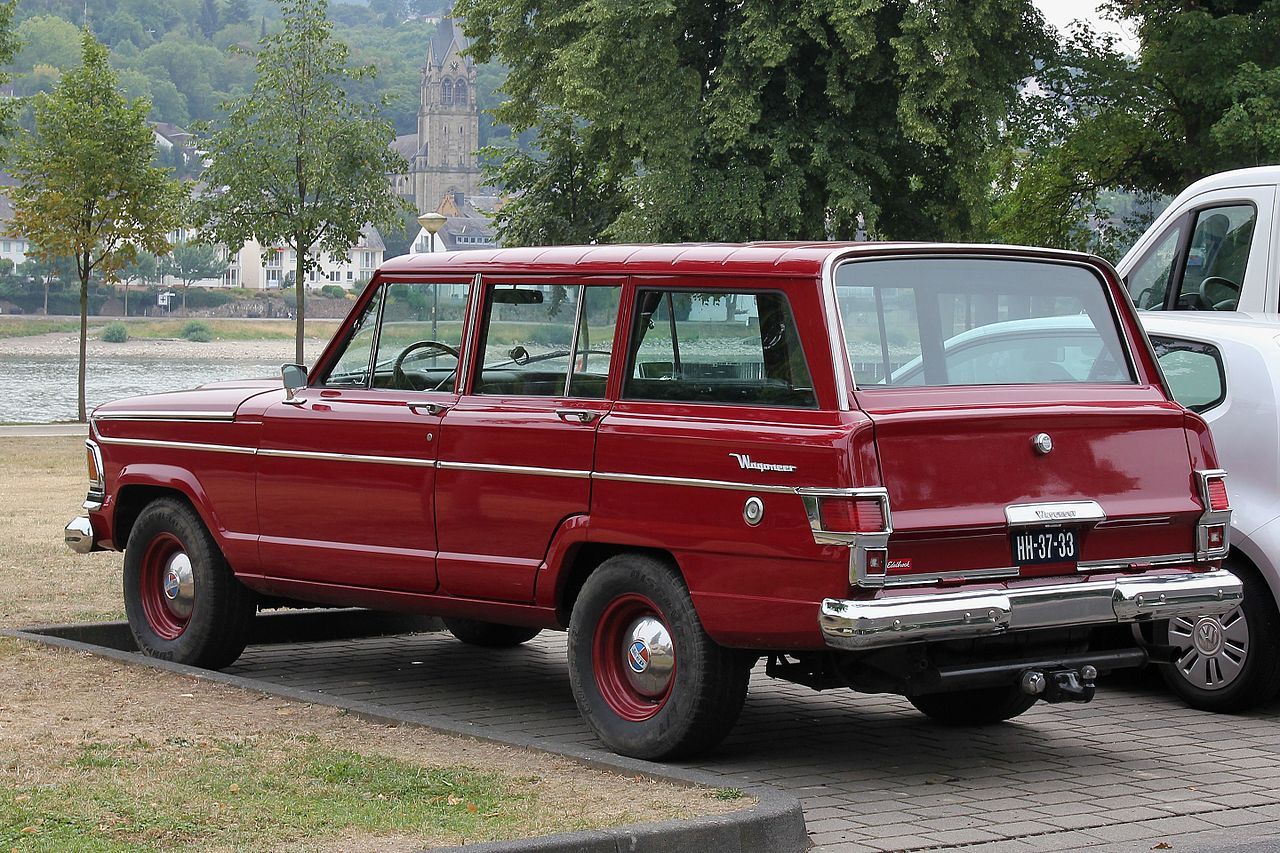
(448, 121)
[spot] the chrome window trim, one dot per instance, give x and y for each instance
(179, 445)
(655, 479)
(573, 341)
(852, 255)
(167, 415)
(571, 473)
(346, 457)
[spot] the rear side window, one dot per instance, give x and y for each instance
(977, 321)
(1194, 370)
(717, 347)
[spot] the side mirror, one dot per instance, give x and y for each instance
(295, 377)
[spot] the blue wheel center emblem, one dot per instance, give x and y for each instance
(171, 585)
(638, 656)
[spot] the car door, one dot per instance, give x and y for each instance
(1215, 254)
(346, 469)
(516, 451)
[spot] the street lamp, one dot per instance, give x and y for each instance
(431, 223)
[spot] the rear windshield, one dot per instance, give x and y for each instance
(977, 321)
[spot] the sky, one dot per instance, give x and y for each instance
(1060, 13)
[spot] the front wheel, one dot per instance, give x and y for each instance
(1227, 663)
(183, 601)
(981, 706)
(647, 679)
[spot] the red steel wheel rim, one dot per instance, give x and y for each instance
(156, 605)
(613, 636)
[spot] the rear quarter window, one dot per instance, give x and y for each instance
(978, 321)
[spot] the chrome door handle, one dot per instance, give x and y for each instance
(294, 401)
(582, 416)
(431, 408)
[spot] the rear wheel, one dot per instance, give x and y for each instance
(490, 634)
(1227, 663)
(647, 679)
(979, 707)
(183, 602)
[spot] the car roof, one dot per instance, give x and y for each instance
(1254, 176)
(761, 258)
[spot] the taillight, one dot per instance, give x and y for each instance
(851, 515)
(1216, 488)
(1213, 532)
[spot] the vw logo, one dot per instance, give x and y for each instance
(638, 656)
(171, 585)
(1043, 443)
(1208, 636)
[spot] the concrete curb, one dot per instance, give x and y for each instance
(775, 823)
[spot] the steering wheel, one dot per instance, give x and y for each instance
(1220, 294)
(397, 373)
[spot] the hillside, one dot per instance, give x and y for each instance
(182, 53)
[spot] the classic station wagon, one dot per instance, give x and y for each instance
(692, 457)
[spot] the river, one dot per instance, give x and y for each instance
(42, 388)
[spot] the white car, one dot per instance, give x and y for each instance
(1226, 366)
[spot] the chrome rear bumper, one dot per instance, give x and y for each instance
(79, 535)
(926, 616)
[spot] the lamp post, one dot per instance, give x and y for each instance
(431, 223)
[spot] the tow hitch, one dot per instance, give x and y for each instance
(1061, 685)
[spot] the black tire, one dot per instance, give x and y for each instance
(1244, 675)
(700, 698)
(221, 610)
(491, 635)
(982, 706)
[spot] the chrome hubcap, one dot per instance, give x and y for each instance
(648, 655)
(1211, 650)
(179, 586)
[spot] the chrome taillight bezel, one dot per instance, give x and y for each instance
(1212, 517)
(860, 544)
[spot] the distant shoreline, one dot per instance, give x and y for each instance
(174, 350)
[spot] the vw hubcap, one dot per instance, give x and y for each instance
(1211, 650)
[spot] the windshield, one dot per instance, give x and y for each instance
(977, 321)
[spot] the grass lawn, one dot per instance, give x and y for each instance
(97, 755)
(156, 329)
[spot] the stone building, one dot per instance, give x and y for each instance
(441, 156)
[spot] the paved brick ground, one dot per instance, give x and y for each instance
(1131, 771)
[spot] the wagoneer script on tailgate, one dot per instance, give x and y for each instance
(949, 472)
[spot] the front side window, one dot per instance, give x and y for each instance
(972, 321)
(420, 341)
(547, 340)
(1148, 283)
(717, 347)
(1194, 370)
(1216, 258)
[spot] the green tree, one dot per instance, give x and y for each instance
(46, 40)
(47, 271)
(298, 162)
(191, 262)
(570, 194)
(87, 187)
(144, 268)
(209, 18)
(763, 119)
(235, 12)
(1201, 95)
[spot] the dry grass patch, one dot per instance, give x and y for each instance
(96, 755)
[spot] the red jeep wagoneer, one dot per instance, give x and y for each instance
(949, 472)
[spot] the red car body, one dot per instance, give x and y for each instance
(498, 507)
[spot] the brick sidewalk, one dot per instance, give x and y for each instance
(1128, 772)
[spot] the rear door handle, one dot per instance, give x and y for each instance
(582, 416)
(429, 408)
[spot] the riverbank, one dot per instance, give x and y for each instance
(19, 327)
(268, 347)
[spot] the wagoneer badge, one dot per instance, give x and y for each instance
(1042, 443)
(747, 464)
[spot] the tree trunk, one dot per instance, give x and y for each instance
(300, 301)
(84, 343)
(46, 297)
(126, 300)
(184, 299)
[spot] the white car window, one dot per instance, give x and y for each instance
(1194, 370)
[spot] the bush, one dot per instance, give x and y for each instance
(196, 331)
(115, 333)
(333, 291)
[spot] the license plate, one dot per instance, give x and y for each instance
(1036, 545)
